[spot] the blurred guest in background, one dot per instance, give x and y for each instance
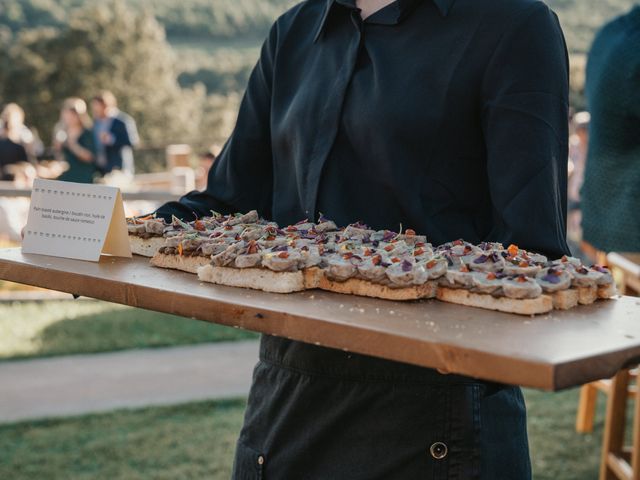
(74, 140)
(205, 162)
(11, 153)
(610, 196)
(128, 164)
(110, 136)
(14, 132)
(578, 147)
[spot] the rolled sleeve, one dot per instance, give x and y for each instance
(525, 123)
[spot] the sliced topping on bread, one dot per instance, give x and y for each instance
(520, 286)
(553, 279)
(489, 283)
(486, 262)
(583, 276)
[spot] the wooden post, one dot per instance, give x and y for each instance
(586, 408)
(613, 438)
(635, 453)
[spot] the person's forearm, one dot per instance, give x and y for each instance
(81, 152)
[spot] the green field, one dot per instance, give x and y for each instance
(196, 441)
(39, 329)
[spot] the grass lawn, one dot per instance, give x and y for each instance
(197, 441)
(189, 441)
(36, 329)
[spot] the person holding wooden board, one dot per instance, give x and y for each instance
(449, 116)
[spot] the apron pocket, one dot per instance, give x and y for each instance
(248, 463)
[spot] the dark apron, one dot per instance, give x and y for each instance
(318, 413)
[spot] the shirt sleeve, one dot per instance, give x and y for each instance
(119, 134)
(241, 177)
(525, 122)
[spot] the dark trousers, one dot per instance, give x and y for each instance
(317, 413)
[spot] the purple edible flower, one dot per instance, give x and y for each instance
(388, 235)
(375, 243)
(551, 278)
(385, 264)
(280, 248)
(481, 259)
(406, 266)
(360, 225)
(322, 219)
(495, 258)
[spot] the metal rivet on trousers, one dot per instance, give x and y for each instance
(260, 460)
(438, 450)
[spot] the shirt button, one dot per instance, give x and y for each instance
(438, 450)
(260, 460)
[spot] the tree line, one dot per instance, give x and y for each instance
(213, 18)
(107, 46)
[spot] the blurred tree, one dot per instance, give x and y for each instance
(104, 46)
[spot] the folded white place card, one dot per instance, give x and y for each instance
(76, 220)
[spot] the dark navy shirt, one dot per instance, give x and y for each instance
(446, 116)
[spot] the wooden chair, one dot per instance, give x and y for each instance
(589, 398)
(619, 462)
(626, 270)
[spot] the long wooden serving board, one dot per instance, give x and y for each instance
(551, 352)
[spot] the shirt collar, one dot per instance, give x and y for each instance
(397, 11)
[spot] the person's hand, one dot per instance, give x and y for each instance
(105, 138)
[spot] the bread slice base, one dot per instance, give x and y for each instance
(607, 291)
(189, 264)
(255, 278)
(364, 288)
(587, 295)
(533, 306)
(565, 299)
(145, 247)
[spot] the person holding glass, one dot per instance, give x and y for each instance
(74, 141)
